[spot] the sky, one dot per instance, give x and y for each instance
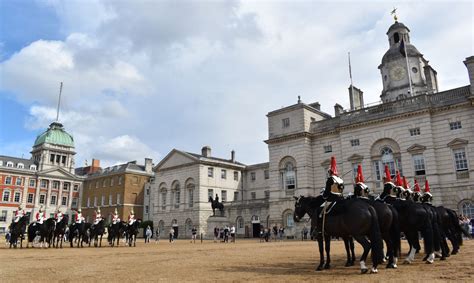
(143, 77)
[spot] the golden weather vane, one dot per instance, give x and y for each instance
(394, 13)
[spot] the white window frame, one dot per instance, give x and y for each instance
(460, 160)
(419, 164)
(42, 199)
(16, 195)
(31, 198)
(64, 200)
(6, 193)
(53, 200)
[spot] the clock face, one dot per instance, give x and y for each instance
(397, 73)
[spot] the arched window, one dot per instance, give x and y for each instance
(188, 226)
(163, 192)
(288, 173)
(386, 152)
(467, 209)
(396, 37)
(190, 192)
(288, 219)
(240, 225)
(176, 189)
(9, 164)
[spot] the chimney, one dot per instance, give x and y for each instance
(316, 106)
(206, 151)
(356, 97)
(232, 156)
(95, 163)
(148, 165)
(470, 70)
(95, 166)
(338, 110)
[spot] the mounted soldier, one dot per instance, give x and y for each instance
(115, 217)
(19, 214)
(58, 215)
(131, 217)
(79, 217)
(40, 215)
(416, 192)
(360, 189)
(98, 216)
(334, 184)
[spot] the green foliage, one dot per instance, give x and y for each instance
(144, 224)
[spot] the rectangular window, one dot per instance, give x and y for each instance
(76, 187)
(327, 148)
(266, 174)
(104, 183)
(253, 195)
(32, 183)
(223, 174)
(6, 196)
(118, 198)
(110, 199)
(64, 201)
(285, 122)
(455, 125)
(66, 186)
(223, 195)
(58, 158)
(191, 197)
(252, 176)
(267, 194)
(63, 159)
(210, 172)
(210, 193)
(17, 197)
(88, 202)
(419, 164)
(74, 202)
(102, 200)
(177, 199)
(377, 171)
(3, 216)
(415, 132)
(163, 200)
(8, 180)
(30, 198)
(42, 199)
(460, 159)
(236, 196)
(112, 181)
(147, 191)
(146, 209)
(56, 185)
(355, 142)
(236, 176)
(51, 158)
(120, 180)
(44, 183)
(53, 200)
(18, 181)
(96, 184)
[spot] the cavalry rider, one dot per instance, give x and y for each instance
(408, 193)
(389, 191)
(115, 218)
(98, 216)
(427, 197)
(79, 217)
(334, 184)
(40, 215)
(399, 186)
(58, 216)
(416, 192)
(131, 218)
(360, 189)
(19, 214)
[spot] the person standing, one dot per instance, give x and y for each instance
(171, 235)
(232, 233)
(157, 235)
(226, 234)
(216, 234)
(193, 234)
(148, 234)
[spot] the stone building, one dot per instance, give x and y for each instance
(46, 179)
(416, 129)
(120, 187)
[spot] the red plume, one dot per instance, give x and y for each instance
(417, 187)
(388, 177)
(333, 167)
(405, 183)
(427, 187)
(399, 181)
(360, 176)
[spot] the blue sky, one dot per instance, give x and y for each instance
(139, 80)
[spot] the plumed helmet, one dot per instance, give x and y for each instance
(98, 209)
(398, 180)
(20, 207)
(132, 212)
(388, 176)
(79, 210)
(427, 187)
(360, 176)
(116, 211)
(333, 167)
(417, 187)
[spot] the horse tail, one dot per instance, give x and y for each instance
(375, 238)
(395, 232)
(458, 229)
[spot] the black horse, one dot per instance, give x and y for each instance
(353, 217)
(60, 231)
(216, 204)
(413, 218)
(96, 233)
(17, 231)
(45, 231)
(80, 232)
(132, 231)
(115, 231)
(388, 223)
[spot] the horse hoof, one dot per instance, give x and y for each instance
(327, 266)
(406, 261)
(429, 262)
(391, 265)
(454, 252)
(319, 268)
(364, 270)
(443, 258)
(374, 270)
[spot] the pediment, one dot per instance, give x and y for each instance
(58, 173)
(416, 148)
(175, 158)
(355, 157)
(457, 142)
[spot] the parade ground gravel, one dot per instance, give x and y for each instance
(246, 260)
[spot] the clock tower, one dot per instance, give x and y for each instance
(397, 70)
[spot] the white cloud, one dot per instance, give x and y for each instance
(181, 74)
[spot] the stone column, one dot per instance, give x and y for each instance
(24, 196)
(37, 192)
(48, 196)
(60, 195)
(69, 201)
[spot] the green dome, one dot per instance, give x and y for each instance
(55, 134)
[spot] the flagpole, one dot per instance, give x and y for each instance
(59, 101)
(350, 76)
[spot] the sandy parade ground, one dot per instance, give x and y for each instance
(246, 260)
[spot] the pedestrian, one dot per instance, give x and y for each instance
(157, 235)
(148, 234)
(226, 234)
(281, 231)
(232, 233)
(193, 234)
(275, 232)
(216, 234)
(171, 235)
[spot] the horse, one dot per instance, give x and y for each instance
(81, 231)
(413, 217)
(17, 231)
(132, 231)
(45, 231)
(354, 218)
(388, 223)
(60, 231)
(216, 204)
(115, 231)
(97, 230)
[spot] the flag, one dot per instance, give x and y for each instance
(402, 48)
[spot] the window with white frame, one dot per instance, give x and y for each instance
(210, 193)
(419, 164)
(42, 199)
(460, 159)
(266, 174)
(289, 176)
(223, 174)
(44, 184)
(285, 122)
(467, 209)
(389, 159)
(95, 201)
(210, 172)
(6, 196)
(236, 196)
(223, 195)
(31, 198)
(455, 125)
(53, 200)
(56, 185)
(66, 186)
(8, 180)
(20, 165)
(120, 180)
(190, 188)
(110, 199)
(102, 200)
(253, 176)
(112, 181)
(177, 198)
(118, 199)
(236, 176)
(18, 181)
(415, 132)
(32, 183)
(9, 164)
(32, 167)
(3, 216)
(74, 202)
(289, 220)
(240, 223)
(88, 202)
(17, 197)
(163, 200)
(267, 194)
(253, 195)
(64, 201)
(76, 187)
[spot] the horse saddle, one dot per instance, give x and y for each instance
(326, 208)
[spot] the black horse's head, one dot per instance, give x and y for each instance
(334, 188)
(300, 209)
(361, 190)
(306, 205)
